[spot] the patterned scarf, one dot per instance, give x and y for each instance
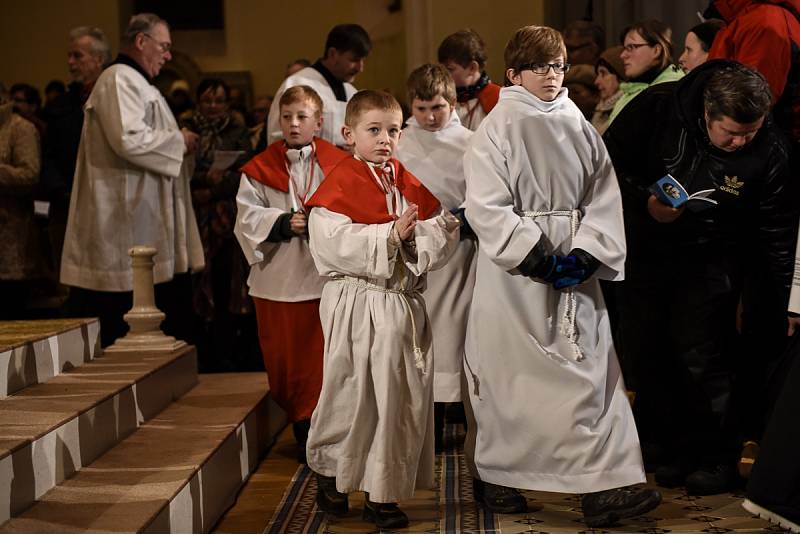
(210, 132)
(465, 94)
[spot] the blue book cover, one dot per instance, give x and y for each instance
(670, 192)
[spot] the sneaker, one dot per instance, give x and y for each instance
(605, 508)
(384, 514)
(499, 499)
(787, 519)
(329, 499)
(749, 454)
(718, 479)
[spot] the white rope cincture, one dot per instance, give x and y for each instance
(419, 356)
(569, 319)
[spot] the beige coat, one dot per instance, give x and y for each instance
(131, 188)
(19, 173)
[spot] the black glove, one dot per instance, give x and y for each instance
(466, 229)
(282, 229)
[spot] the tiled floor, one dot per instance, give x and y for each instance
(557, 513)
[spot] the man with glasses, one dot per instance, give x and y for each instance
(131, 188)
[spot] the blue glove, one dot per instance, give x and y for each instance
(578, 267)
(553, 267)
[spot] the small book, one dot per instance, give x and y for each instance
(670, 192)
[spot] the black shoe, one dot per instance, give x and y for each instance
(499, 499)
(674, 474)
(384, 514)
(329, 499)
(605, 508)
(712, 481)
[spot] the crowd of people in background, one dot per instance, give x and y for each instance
(699, 322)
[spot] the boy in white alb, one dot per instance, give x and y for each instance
(271, 229)
(432, 147)
(543, 199)
(375, 231)
(464, 55)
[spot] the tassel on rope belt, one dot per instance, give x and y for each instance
(419, 360)
(569, 326)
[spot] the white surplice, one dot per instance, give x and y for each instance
(551, 414)
(332, 112)
(470, 113)
(131, 188)
(283, 271)
(436, 159)
(373, 426)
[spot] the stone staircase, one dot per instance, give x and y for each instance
(121, 442)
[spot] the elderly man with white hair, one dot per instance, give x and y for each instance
(131, 188)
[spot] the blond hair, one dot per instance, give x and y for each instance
(301, 93)
(369, 100)
(429, 81)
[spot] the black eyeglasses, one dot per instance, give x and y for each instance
(543, 68)
(164, 46)
(631, 47)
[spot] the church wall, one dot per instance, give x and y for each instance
(263, 36)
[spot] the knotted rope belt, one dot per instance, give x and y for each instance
(404, 294)
(569, 326)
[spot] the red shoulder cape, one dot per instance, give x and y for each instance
(269, 167)
(351, 190)
(489, 96)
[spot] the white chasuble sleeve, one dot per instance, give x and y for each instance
(435, 241)
(341, 247)
(504, 235)
(254, 219)
(602, 232)
(127, 112)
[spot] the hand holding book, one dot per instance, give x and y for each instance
(670, 192)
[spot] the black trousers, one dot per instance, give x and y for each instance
(775, 479)
(174, 298)
(678, 331)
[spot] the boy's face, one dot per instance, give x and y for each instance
(463, 76)
(432, 115)
(375, 135)
(300, 122)
(544, 86)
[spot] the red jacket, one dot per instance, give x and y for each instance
(765, 35)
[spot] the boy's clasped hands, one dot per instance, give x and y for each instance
(407, 222)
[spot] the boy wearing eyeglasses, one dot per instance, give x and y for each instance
(544, 383)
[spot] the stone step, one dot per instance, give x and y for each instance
(49, 431)
(177, 474)
(33, 352)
